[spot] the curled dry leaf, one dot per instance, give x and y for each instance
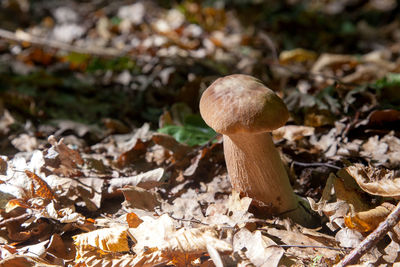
(133, 154)
(3, 165)
(296, 55)
(333, 61)
(375, 181)
(292, 132)
(367, 221)
(145, 180)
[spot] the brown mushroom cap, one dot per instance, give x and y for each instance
(241, 103)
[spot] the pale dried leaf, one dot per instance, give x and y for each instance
(152, 232)
(331, 60)
(25, 142)
(292, 132)
(293, 238)
(195, 241)
(145, 180)
(259, 249)
(349, 238)
(375, 181)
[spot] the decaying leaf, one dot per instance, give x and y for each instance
(375, 181)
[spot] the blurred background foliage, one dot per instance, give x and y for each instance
(169, 51)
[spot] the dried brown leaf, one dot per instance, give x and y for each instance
(136, 197)
(44, 189)
(133, 220)
(367, 221)
(375, 181)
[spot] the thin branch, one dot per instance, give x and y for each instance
(373, 238)
(187, 220)
(310, 246)
(22, 36)
(315, 164)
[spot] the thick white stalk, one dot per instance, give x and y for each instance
(256, 170)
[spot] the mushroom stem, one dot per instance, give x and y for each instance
(256, 170)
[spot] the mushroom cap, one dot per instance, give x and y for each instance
(242, 104)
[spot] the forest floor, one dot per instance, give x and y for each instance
(105, 160)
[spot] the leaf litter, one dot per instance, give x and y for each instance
(79, 194)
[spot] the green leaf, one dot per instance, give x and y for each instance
(390, 80)
(193, 132)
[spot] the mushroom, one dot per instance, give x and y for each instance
(245, 111)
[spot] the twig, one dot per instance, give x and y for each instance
(373, 238)
(310, 246)
(187, 220)
(315, 164)
(22, 36)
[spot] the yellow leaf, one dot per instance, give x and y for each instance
(296, 55)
